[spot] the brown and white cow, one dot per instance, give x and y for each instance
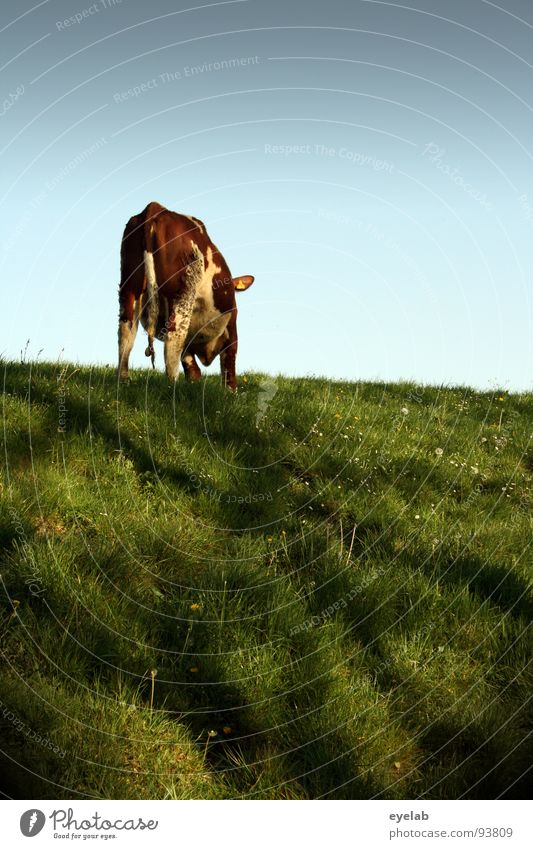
(177, 284)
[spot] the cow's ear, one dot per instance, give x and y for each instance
(242, 283)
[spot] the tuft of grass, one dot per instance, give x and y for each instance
(324, 594)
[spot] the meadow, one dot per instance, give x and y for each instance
(312, 589)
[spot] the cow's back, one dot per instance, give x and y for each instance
(172, 238)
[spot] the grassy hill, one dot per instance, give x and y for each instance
(311, 589)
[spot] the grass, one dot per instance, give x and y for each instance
(326, 599)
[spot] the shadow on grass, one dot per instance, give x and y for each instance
(253, 500)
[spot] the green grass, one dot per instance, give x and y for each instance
(355, 627)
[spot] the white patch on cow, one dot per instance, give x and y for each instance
(207, 322)
(188, 359)
(181, 312)
(151, 296)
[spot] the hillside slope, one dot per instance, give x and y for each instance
(311, 589)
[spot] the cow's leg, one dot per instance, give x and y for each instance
(176, 335)
(228, 355)
(190, 367)
(174, 343)
(180, 311)
(130, 291)
(227, 366)
(127, 331)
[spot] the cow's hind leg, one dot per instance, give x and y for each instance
(127, 331)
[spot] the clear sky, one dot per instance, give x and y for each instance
(371, 163)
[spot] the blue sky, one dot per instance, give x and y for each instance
(369, 162)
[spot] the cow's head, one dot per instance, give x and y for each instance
(207, 346)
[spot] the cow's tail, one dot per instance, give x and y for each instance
(151, 293)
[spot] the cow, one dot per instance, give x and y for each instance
(175, 281)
